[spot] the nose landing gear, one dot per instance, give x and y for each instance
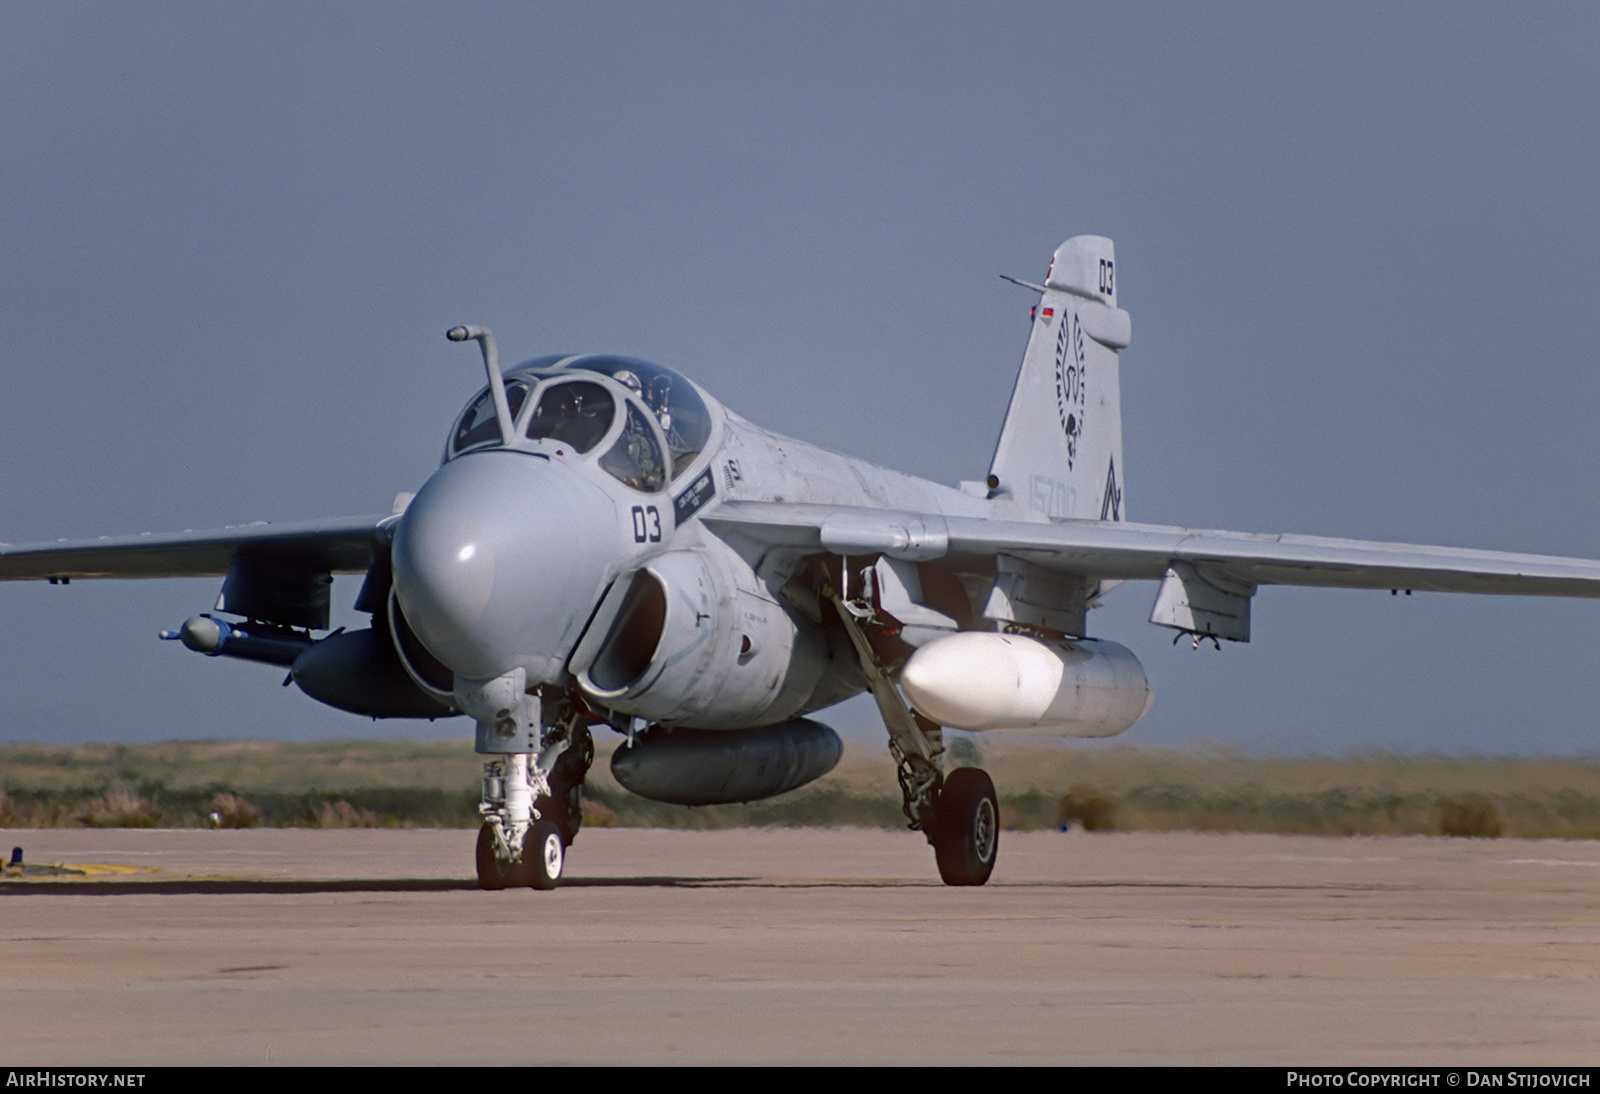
(494, 872)
(538, 866)
(532, 810)
(544, 853)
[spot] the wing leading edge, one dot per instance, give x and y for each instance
(340, 545)
(1124, 551)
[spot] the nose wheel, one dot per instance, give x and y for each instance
(494, 872)
(539, 866)
(544, 853)
(532, 810)
(966, 827)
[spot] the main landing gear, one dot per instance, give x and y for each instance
(965, 832)
(958, 813)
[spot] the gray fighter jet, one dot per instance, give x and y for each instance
(605, 544)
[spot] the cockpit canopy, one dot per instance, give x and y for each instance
(551, 400)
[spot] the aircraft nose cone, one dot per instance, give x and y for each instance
(449, 567)
(499, 560)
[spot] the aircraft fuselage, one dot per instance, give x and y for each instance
(515, 551)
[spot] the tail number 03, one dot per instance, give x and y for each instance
(646, 524)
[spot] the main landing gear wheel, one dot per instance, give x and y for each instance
(494, 873)
(544, 853)
(966, 828)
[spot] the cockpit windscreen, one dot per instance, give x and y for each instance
(577, 411)
(636, 457)
(673, 399)
(479, 424)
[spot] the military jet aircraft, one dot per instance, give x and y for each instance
(604, 544)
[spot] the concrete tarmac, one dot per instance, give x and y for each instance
(801, 946)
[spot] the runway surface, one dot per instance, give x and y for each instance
(802, 946)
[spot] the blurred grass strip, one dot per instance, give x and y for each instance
(1043, 785)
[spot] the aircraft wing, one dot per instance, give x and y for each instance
(341, 545)
(1124, 551)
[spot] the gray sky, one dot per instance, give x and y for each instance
(1359, 243)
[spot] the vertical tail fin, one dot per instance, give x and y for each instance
(1060, 449)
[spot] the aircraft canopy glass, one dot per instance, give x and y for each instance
(670, 397)
(636, 457)
(577, 411)
(582, 413)
(479, 425)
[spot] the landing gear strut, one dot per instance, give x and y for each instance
(532, 808)
(958, 813)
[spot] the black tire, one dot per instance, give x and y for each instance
(493, 872)
(564, 807)
(544, 855)
(966, 835)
